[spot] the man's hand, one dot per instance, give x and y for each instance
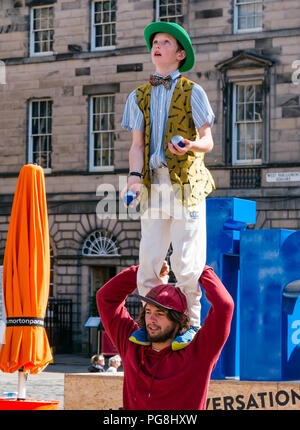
(164, 271)
(178, 150)
(134, 184)
(205, 142)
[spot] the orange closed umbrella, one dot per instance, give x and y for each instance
(26, 274)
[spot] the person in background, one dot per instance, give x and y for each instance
(114, 363)
(97, 363)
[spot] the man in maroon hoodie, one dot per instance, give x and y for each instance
(156, 377)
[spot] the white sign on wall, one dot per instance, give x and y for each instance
(283, 177)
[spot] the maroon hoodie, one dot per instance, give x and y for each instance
(165, 380)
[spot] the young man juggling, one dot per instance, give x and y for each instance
(170, 105)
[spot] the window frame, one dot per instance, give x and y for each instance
(30, 136)
(92, 167)
(93, 29)
(167, 19)
(234, 160)
(236, 6)
(32, 53)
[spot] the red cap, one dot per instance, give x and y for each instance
(167, 296)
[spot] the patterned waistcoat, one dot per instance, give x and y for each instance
(191, 180)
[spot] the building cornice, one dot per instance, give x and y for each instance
(135, 50)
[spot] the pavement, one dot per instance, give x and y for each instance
(49, 384)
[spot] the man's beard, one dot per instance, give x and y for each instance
(168, 333)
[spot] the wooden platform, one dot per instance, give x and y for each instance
(100, 391)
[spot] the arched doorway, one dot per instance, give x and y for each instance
(100, 258)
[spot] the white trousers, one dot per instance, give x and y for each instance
(166, 221)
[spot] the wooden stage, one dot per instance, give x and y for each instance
(100, 391)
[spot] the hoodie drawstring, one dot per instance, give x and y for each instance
(141, 363)
(153, 376)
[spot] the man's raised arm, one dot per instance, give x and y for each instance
(111, 306)
(218, 320)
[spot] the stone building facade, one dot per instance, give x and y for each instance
(66, 70)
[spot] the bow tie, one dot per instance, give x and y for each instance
(157, 80)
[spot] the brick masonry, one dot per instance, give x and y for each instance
(73, 73)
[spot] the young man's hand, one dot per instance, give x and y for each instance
(133, 184)
(178, 150)
(204, 143)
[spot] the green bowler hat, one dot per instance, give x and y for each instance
(179, 33)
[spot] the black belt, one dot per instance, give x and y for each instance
(25, 321)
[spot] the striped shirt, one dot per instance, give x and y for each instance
(133, 118)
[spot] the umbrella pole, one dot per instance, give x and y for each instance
(22, 377)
